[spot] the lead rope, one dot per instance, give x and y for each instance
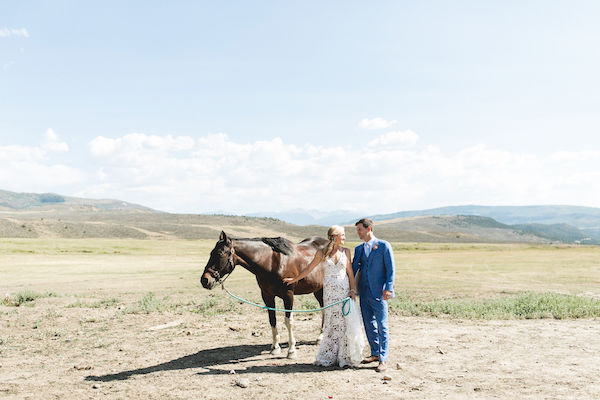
(345, 307)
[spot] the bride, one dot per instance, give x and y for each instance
(342, 336)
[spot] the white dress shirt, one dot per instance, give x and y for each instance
(368, 246)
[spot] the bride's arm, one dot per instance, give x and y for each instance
(350, 274)
(315, 261)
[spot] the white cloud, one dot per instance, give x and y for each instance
(30, 169)
(213, 172)
(52, 143)
(137, 142)
(375, 123)
(102, 146)
(8, 65)
(10, 154)
(6, 32)
(396, 139)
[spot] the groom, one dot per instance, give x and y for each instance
(375, 260)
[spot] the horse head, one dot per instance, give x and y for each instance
(220, 263)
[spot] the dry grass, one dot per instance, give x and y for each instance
(113, 268)
(484, 271)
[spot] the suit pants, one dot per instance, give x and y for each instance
(375, 318)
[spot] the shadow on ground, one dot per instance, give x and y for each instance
(210, 358)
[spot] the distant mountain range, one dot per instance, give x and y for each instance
(53, 215)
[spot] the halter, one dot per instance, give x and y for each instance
(222, 279)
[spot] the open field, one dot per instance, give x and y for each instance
(77, 317)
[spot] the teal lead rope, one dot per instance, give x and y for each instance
(345, 306)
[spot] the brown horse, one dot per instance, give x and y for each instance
(270, 260)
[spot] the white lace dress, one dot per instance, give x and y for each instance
(342, 335)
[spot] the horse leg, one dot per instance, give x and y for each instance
(288, 302)
(319, 296)
(270, 302)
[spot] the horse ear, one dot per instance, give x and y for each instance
(224, 237)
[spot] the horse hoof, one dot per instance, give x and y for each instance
(292, 356)
(276, 351)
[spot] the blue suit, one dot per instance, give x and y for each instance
(377, 275)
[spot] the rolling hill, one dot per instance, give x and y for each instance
(473, 228)
(29, 215)
(586, 219)
(51, 202)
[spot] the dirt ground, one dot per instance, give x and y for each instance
(50, 351)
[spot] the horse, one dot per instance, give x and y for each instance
(270, 260)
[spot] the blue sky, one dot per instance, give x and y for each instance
(247, 106)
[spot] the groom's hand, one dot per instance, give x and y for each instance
(387, 294)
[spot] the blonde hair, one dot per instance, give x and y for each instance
(332, 232)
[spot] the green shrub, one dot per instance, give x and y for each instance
(106, 303)
(309, 303)
(23, 297)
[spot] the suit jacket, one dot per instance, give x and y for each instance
(379, 266)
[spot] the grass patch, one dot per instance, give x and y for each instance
(309, 303)
(526, 305)
(205, 307)
(23, 297)
(53, 313)
(148, 304)
(22, 251)
(78, 304)
(104, 303)
(213, 306)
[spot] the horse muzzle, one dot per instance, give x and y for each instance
(207, 281)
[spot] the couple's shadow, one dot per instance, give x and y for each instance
(210, 358)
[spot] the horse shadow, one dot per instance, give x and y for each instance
(210, 358)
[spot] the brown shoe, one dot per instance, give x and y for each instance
(370, 359)
(382, 366)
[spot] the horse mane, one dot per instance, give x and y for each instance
(316, 240)
(278, 244)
